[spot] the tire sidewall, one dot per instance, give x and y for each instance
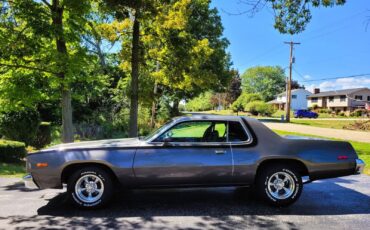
(90, 171)
(281, 202)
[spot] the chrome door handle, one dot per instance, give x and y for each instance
(219, 152)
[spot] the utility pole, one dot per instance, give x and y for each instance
(289, 81)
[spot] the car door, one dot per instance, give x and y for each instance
(188, 153)
(245, 153)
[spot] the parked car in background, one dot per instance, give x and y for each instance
(192, 151)
(301, 113)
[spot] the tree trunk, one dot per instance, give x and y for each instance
(135, 76)
(67, 117)
(175, 107)
(67, 123)
(154, 107)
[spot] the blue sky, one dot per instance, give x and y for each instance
(334, 44)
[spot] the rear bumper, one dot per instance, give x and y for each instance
(360, 165)
(29, 182)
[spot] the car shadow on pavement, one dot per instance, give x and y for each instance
(216, 208)
(19, 186)
(328, 197)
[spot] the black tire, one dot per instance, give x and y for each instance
(265, 193)
(104, 184)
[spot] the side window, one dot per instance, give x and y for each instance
(195, 131)
(236, 132)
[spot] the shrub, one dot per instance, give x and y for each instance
(324, 111)
(12, 151)
(259, 108)
(342, 114)
(313, 107)
(243, 100)
(200, 103)
(358, 113)
(43, 136)
(20, 125)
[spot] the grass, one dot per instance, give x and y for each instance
(334, 124)
(362, 148)
(12, 170)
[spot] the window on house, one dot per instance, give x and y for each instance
(358, 97)
(368, 98)
(294, 96)
(331, 99)
(343, 98)
(314, 100)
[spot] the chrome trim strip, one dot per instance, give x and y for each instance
(238, 119)
(29, 183)
(360, 166)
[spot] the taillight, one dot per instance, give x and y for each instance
(342, 157)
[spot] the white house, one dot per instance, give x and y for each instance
(298, 100)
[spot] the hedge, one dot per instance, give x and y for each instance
(12, 151)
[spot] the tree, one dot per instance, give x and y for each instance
(182, 51)
(234, 90)
(296, 85)
(264, 80)
(44, 40)
(291, 16)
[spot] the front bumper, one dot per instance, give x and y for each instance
(29, 182)
(360, 165)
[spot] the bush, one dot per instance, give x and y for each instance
(200, 103)
(358, 113)
(243, 100)
(43, 136)
(12, 151)
(20, 125)
(324, 111)
(313, 107)
(259, 108)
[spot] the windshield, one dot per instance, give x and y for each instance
(160, 129)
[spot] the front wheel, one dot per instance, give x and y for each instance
(279, 185)
(90, 187)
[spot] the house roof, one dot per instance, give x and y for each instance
(336, 92)
(294, 90)
(275, 102)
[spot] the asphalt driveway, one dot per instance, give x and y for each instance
(349, 135)
(342, 203)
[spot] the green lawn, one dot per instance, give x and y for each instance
(12, 170)
(362, 149)
(334, 124)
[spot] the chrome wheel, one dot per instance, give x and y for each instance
(281, 185)
(89, 188)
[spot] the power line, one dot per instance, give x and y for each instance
(332, 78)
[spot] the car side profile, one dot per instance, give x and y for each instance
(192, 151)
(301, 113)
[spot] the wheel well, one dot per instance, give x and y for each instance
(70, 169)
(298, 165)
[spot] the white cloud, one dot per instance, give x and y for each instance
(307, 77)
(341, 83)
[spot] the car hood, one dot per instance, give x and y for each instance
(109, 143)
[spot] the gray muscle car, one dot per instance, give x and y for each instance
(201, 150)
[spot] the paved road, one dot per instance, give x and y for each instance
(342, 203)
(325, 132)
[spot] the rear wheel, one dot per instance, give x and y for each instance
(90, 187)
(279, 185)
